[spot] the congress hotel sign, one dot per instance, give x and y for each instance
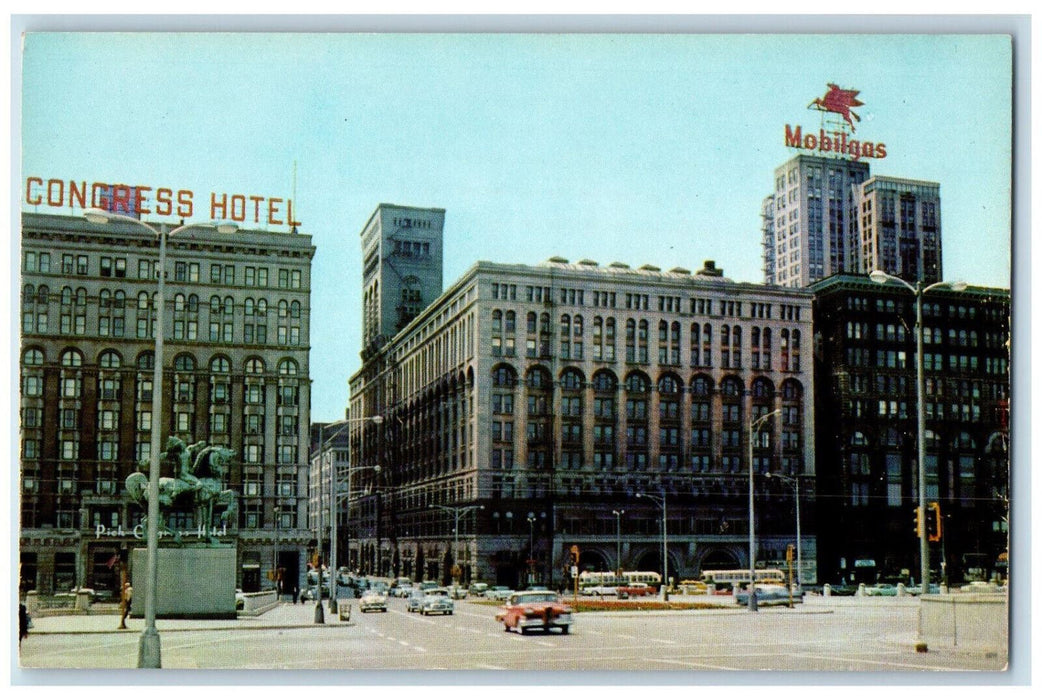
(143, 200)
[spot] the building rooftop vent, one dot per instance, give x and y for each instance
(680, 271)
(558, 259)
(650, 268)
(587, 262)
(709, 269)
(619, 265)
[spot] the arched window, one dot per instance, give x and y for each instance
(288, 367)
(145, 360)
(221, 365)
(72, 358)
(504, 376)
(637, 383)
(605, 381)
(33, 357)
(184, 363)
(254, 365)
(571, 379)
(109, 359)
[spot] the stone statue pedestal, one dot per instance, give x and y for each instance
(194, 582)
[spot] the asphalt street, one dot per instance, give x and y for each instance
(822, 636)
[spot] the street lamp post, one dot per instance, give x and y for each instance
(323, 443)
(334, 584)
(799, 540)
(618, 541)
(661, 501)
(149, 652)
(457, 513)
(531, 548)
(880, 277)
(754, 429)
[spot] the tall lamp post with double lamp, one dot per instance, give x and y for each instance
(457, 513)
(323, 443)
(754, 430)
(880, 277)
(334, 584)
(661, 501)
(149, 653)
(618, 541)
(795, 483)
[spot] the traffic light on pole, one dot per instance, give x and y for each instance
(575, 555)
(934, 523)
(918, 521)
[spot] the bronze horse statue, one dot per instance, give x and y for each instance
(199, 483)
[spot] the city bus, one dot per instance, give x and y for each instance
(739, 578)
(602, 581)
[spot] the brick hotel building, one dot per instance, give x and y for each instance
(236, 354)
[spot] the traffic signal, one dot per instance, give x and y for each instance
(918, 521)
(934, 522)
(789, 550)
(575, 555)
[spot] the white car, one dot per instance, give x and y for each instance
(373, 600)
(436, 600)
(498, 593)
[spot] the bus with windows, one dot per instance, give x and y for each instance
(608, 582)
(739, 578)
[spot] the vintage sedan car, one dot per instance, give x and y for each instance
(528, 610)
(769, 594)
(373, 600)
(457, 592)
(415, 600)
(881, 589)
(498, 593)
(477, 589)
(436, 600)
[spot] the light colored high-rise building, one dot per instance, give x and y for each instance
(810, 227)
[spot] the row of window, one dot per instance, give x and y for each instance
(116, 267)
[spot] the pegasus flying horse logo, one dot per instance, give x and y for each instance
(839, 101)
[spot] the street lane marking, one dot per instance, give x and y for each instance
(696, 664)
(663, 641)
(921, 667)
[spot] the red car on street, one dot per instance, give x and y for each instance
(527, 610)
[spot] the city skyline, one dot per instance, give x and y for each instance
(638, 148)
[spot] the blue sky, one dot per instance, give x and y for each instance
(638, 148)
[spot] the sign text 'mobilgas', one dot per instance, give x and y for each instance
(834, 142)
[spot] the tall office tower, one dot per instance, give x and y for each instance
(235, 374)
(401, 275)
(900, 227)
(812, 230)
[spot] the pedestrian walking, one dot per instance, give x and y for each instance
(125, 596)
(23, 623)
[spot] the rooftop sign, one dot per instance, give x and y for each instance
(842, 102)
(143, 200)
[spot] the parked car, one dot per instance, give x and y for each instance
(600, 590)
(457, 592)
(373, 600)
(535, 610)
(415, 600)
(436, 600)
(841, 589)
(498, 593)
(635, 589)
(769, 594)
(881, 589)
(402, 590)
(478, 589)
(983, 587)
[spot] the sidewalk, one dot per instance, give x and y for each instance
(284, 615)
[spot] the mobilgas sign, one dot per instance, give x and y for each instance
(144, 200)
(841, 102)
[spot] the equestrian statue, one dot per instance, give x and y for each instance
(198, 484)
